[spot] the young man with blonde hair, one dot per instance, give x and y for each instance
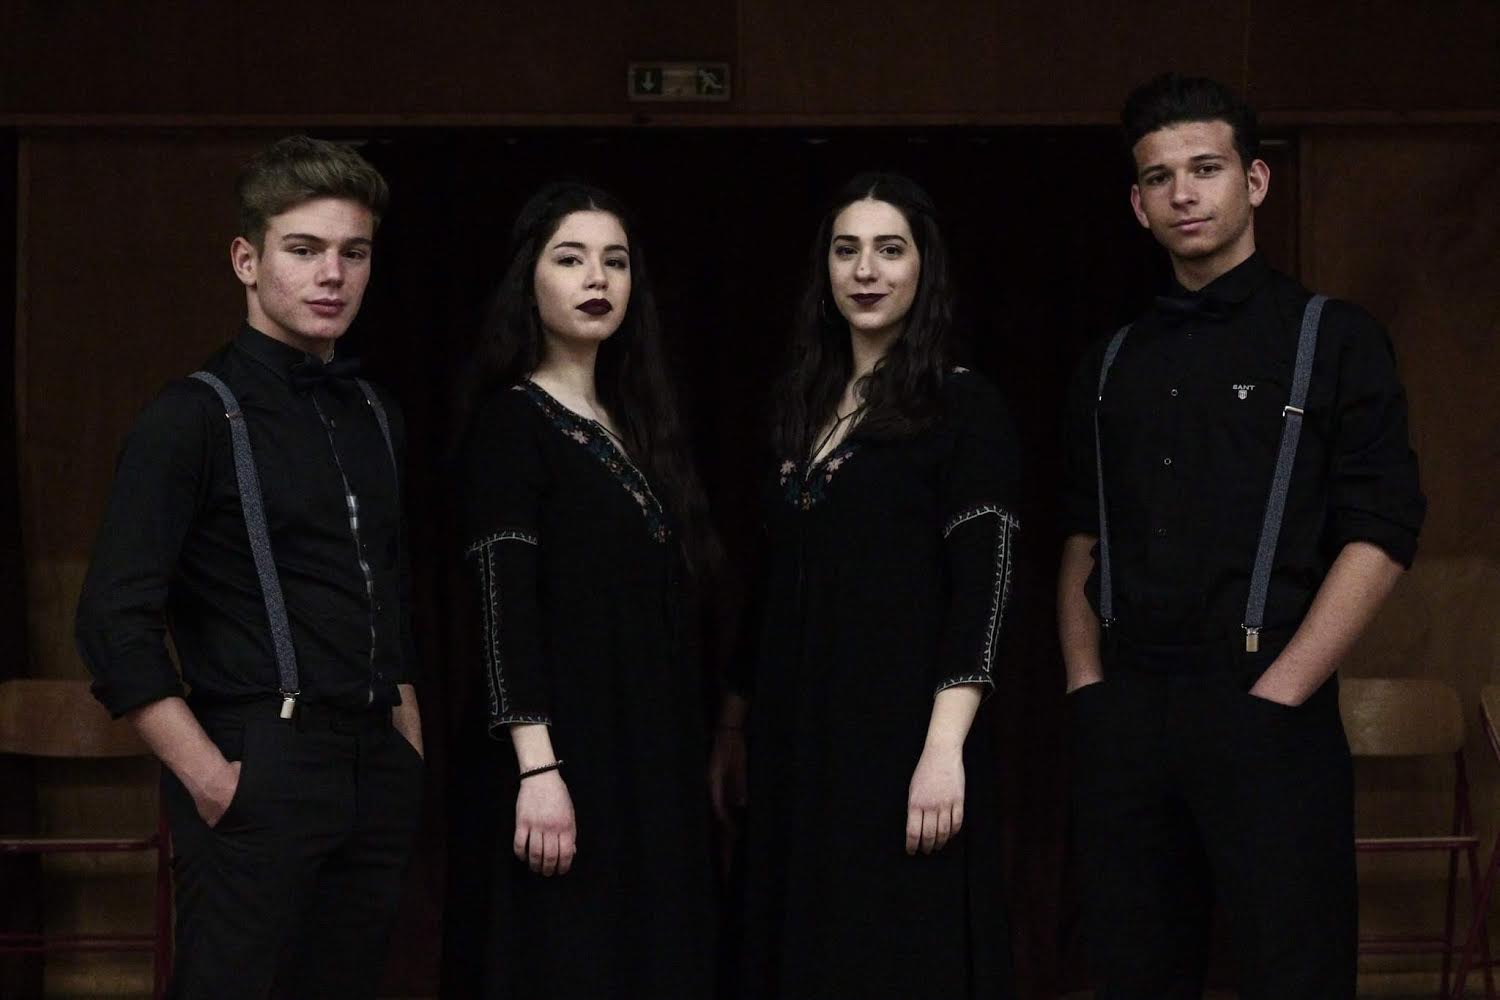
(257, 514)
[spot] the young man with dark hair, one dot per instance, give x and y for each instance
(1240, 497)
(257, 512)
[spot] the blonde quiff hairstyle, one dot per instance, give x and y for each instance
(299, 169)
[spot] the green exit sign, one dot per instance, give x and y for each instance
(678, 81)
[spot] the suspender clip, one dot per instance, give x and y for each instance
(288, 703)
(1286, 410)
(1252, 639)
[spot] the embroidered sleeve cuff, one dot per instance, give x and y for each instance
(512, 657)
(509, 535)
(981, 546)
(984, 681)
(499, 724)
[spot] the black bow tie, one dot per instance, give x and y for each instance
(1200, 307)
(312, 372)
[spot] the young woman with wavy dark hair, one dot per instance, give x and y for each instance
(872, 835)
(584, 522)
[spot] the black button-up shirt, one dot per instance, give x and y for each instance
(1190, 424)
(173, 547)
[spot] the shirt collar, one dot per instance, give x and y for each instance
(1232, 287)
(272, 353)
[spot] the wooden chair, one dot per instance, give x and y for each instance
(1478, 938)
(60, 719)
(1415, 717)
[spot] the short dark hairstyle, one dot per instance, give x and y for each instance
(902, 395)
(297, 169)
(1171, 99)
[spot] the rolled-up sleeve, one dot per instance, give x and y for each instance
(1374, 492)
(1080, 486)
(505, 483)
(121, 624)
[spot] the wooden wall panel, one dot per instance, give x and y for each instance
(888, 55)
(12, 559)
(1407, 223)
(1004, 59)
(125, 274)
(978, 58)
(77, 56)
(1084, 57)
(455, 57)
(1374, 55)
(386, 58)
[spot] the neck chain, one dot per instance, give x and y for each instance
(837, 423)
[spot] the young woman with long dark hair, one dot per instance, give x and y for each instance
(872, 839)
(586, 526)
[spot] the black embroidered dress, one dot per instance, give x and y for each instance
(585, 629)
(889, 567)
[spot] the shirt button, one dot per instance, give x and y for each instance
(1161, 532)
(1174, 392)
(1166, 461)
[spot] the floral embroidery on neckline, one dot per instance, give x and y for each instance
(805, 488)
(595, 440)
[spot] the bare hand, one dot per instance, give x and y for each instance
(935, 803)
(213, 798)
(414, 743)
(546, 831)
(726, 773)
(407, 718)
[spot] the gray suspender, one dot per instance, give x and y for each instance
(260, 537)
(1286, 456)
(1106, 580)
(385, 427)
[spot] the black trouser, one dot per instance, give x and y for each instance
(294, 891)
(1185, 785)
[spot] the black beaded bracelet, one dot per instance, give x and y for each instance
(542, 770)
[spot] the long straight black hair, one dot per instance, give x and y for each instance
(631, 372)
(902, 395)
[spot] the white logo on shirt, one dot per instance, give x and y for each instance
(1244, 391)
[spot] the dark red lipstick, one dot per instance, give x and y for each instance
(868, 298)
(597, 307)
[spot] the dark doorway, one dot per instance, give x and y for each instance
(1047, 255)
